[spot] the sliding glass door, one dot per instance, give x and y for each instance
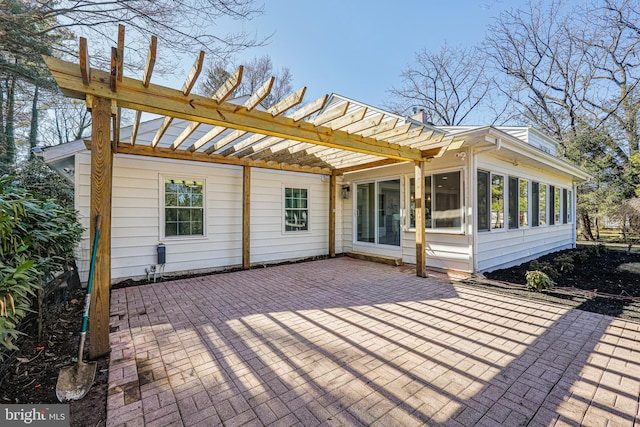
(378, 212)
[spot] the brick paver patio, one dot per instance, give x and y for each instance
(348, 342)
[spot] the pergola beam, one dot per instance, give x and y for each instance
(172, 103)
(168, 153)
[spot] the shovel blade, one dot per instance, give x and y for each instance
(74, 382)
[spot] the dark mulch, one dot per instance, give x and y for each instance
(605, 282)
(33, 370)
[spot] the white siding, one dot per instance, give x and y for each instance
(444, 251)
(505, 249)
(508, 247)
(136, 213)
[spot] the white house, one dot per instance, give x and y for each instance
(498, 196)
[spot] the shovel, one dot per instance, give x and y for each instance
(74, 382)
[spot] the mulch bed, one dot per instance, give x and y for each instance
(607, 283)
(35, 367)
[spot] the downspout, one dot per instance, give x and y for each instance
(474, 193)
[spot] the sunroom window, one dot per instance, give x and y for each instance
(543, 204)
(497, 201)
(183, 208)
(442, 201)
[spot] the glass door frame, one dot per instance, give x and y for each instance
(400, 212)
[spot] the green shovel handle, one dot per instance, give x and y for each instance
(87, 303)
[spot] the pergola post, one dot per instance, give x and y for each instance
(246, 217)
(101, 187)
(421, 255)
(332, 216)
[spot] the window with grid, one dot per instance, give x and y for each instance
(296, 209)
(183, 208)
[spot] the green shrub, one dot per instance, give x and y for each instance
(581, 256)
(564, 263)
(544, 267)
(537, 280)
(595, 251)
(37, 236)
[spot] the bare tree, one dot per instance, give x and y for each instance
(540, 66)
(574, 72)
(182, 25)
(449, 85)
(611, 48)
(256, 73)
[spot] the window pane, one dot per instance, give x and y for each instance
(448, 212)
(170, 199)
(196, 200)
(184, 215)
(564, 206)
(552, 205)
(295, 213)
(412, 203)
(171, 229)
(497, 201)
(389, 212)
(557, 211)
(184, 228)
(513, 202)
(535, 204)
(543, 204)
(428, 203)
(365, 205)
(524, 203)
(570, 206)
(184, 202)
(483, 200)
(183, 199)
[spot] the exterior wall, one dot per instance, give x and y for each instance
(137, 207)
(444, 250)
(507, 247)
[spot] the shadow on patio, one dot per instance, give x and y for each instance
(347, 342)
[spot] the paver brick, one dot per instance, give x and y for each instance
(343, 341)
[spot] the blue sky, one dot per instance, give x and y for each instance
(359, 48)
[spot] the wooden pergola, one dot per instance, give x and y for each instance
(310, 139)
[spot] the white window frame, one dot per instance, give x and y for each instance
(284, 209)
(162, 207)
(433, 230)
